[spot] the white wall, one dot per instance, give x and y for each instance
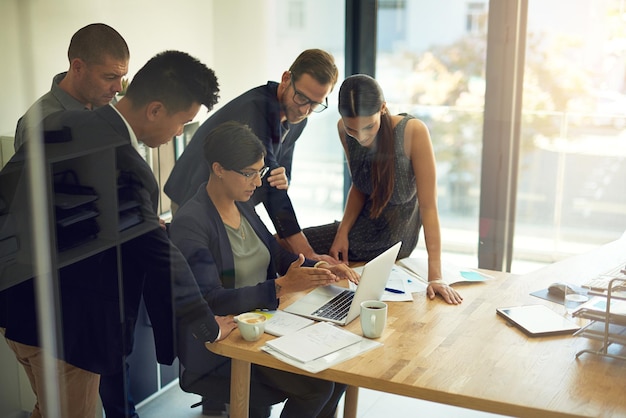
(39, 31)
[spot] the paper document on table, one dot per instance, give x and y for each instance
(399, 285)
(281, 323)
(314, 341)
(451, 273)
(328, 360)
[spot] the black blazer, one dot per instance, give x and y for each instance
(91, 334)
(199, 232)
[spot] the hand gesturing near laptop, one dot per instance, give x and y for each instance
(300, 278)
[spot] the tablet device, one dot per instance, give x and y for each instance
(538, 320)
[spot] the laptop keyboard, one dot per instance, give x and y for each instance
(337, 308)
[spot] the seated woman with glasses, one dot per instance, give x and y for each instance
(240, 267)
(394, 185)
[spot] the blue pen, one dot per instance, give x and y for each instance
(388, 289)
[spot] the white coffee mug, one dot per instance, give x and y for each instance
(373, 318)
(251, 325)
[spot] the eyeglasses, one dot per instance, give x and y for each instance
(300, 99)
(252, 174)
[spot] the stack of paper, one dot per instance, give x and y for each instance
(595, 309)
(281, 323)
(314, 342)
(317, 347)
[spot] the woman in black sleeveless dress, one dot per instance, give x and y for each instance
(393, 192)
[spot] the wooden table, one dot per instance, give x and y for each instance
(468, 356)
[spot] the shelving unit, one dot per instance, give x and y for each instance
(94, 162)
(606, 325)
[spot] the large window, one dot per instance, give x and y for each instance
(571, 159)
(572, 170)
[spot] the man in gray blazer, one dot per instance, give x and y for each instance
(98, 58)
(98, 61)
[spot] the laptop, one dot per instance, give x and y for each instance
(538, 320)
(340, 305)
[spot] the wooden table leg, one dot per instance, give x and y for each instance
(239, 389)
(351, 401)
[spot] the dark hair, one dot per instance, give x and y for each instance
(175, 79)
(360, 95)
(233, 145)
(318, 64)
(94, 42)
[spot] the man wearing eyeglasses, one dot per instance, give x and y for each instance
(276, 113)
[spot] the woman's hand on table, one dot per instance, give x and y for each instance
(438, 287)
